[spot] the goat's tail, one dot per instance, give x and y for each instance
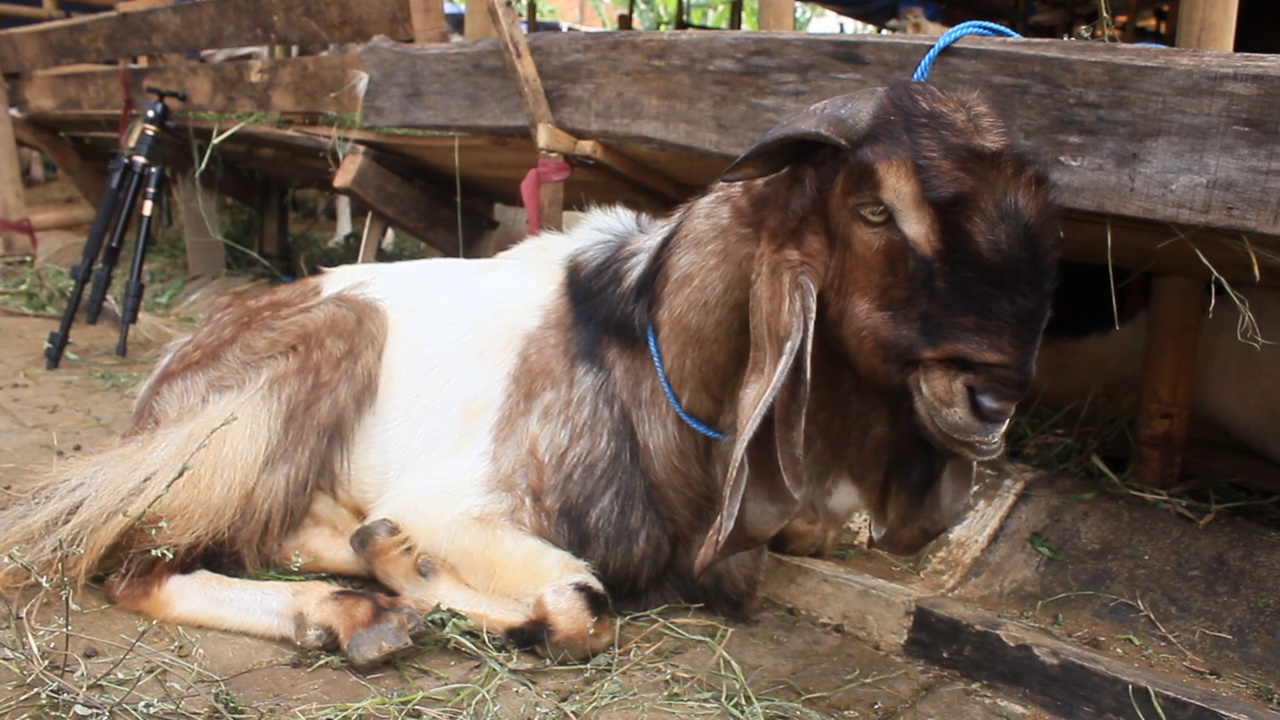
(233, 432)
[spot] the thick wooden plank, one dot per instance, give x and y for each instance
(200, 26)
(406, 206)
(320, 84)
(1172, 135)
(1069, 681)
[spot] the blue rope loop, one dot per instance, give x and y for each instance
(973, 27)
(689, 420)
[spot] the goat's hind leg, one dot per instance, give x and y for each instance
(566, 619)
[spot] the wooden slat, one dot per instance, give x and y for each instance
(1172, 135)
(200, 26)
(13, 203)
(321, 84)
(1068, 681)
(419, 213)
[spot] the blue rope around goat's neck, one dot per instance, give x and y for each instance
(973, 27)
(689, 420)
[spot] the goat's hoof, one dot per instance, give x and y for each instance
(391, 635)
(315, 637)
(372, 533)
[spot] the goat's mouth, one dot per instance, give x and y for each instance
(949, 421)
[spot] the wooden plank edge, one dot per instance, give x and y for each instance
(1064, 679)
(868, 608)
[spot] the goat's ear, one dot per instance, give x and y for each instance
(840, 122)
(766, 470)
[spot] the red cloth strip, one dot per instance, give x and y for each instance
(547, 171)
(23, 226)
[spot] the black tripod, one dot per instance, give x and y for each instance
(134, 169)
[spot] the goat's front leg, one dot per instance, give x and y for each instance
(539, 597)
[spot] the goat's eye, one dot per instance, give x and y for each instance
(875, 214)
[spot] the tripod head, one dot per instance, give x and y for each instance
(156, 113)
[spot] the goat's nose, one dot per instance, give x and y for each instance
(990, 407)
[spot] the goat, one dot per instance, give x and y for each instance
(856, 305)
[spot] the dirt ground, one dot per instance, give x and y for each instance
(79, 657)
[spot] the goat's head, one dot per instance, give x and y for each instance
(916, 242)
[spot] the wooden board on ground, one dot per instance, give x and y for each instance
(199, 26)
(1104, 115)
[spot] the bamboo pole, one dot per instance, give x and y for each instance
(1177, 305)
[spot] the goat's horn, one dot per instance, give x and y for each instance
(839, 122)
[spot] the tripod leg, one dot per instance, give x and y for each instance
(133, 286)
(111, 254)
(108, 204)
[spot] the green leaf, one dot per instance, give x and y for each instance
(1041, 546)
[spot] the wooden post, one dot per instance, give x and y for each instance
(478, 22)
(273, 242)
(534, 99)
(1207, 24)
(777, 15)
(13, 203)
(1177, 305)
(428, 21)
(375, 227)
(1168, 378)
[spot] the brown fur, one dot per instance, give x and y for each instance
(304, 366)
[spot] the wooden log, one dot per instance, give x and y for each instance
(1070, 682)
(385, 193)
(53, 217)
(305, 85)
(429, 24)
(1164, 134)
(89, 179)
(199, 26)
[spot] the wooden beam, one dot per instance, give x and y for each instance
(1163, 134)
(549, 137)
(62, 215)
(310, 85)
(405, 206)
(199, 26)
(28, 12)
(429, 25)
(90, 180)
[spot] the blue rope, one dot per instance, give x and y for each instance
(973, 27)
(689, 420)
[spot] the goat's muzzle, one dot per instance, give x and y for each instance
(960, 412)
